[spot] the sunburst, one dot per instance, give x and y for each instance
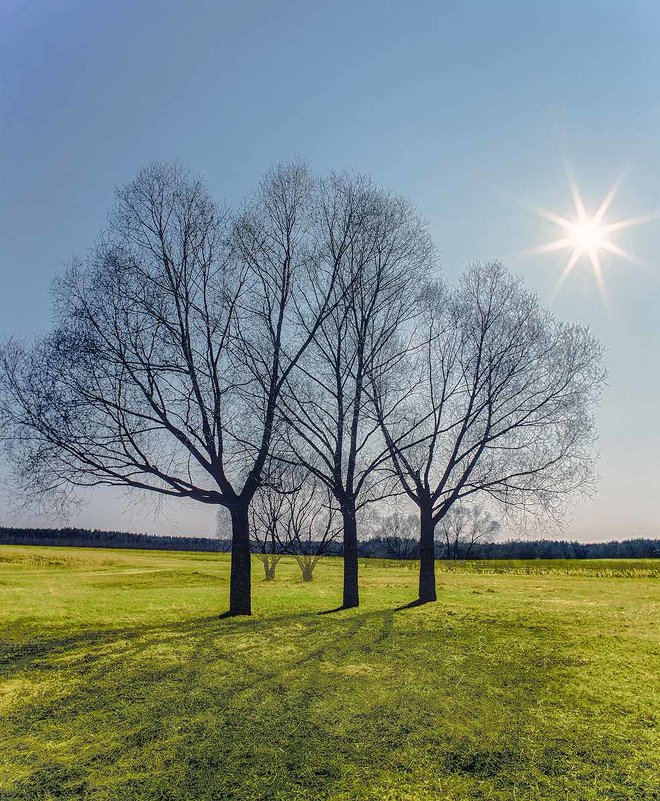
(587, 236)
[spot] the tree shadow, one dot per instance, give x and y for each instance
(228, 614)
(274, 707)
(335, 610)
(413, 604)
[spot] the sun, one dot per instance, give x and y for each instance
(587, 236)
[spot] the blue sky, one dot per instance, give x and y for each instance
(472, 110)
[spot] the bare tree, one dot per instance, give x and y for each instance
(310, 525)
(171, 347)
(267, 518)
(496, 398)
(379, 243)
(463, 527)
(395, 531)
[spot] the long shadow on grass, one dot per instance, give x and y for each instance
(293, 706)
(335, 610)
(412, 604)
(97, 645)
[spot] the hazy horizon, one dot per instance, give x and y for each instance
(475, 116)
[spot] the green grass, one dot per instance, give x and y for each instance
(532, 681)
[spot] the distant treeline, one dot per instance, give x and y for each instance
(563, 549)
(81, 537)
(394, 548)
(376, 547)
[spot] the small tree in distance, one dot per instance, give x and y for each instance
(396, 533)
(266, 519)
(311, 524)
(463, 527)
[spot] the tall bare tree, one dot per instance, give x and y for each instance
(171, 346)
(379, 244)
(495, 398)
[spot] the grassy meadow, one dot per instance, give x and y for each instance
(527, 681)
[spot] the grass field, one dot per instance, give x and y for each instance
(526, 681)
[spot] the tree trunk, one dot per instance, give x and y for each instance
(351, 595)
(426, 555)
(269, 568)
(239, 584)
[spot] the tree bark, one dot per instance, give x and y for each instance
(269, 569)
(426, 556)
(239, 583)
(351, 594)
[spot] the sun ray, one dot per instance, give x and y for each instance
(621, 225)
(607, 202)
(577, 200)
(594, 258)
(598, 273)
(555, 218)
(618, 251)
(550, 247)
(573, 260)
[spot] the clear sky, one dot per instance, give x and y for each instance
(472, 110)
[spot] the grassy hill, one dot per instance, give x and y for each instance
(532, 681)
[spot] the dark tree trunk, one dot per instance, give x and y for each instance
(426, 555)
(239, 583)
(351, 594)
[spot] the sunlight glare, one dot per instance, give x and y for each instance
(587, 236)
